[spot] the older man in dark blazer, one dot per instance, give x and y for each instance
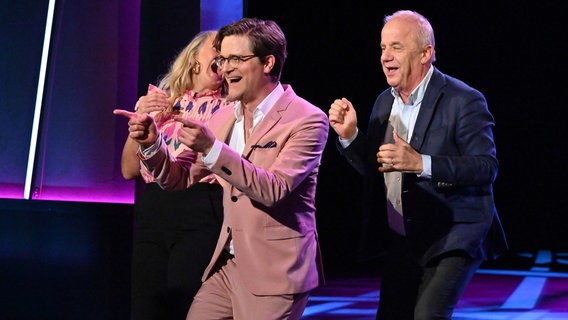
(429, 148)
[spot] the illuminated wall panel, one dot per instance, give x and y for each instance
(217, 13)
(92, 67)
(21, 34)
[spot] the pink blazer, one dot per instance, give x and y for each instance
(269, 194)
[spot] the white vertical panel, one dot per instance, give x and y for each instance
(39, 98)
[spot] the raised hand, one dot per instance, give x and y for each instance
(155, 100)
(196, 135)
(141, 126)
(343, 118)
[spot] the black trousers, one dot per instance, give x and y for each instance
(410, 291)
(175, 233)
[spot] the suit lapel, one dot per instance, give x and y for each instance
(270, 120)
(429, 105)
(224, 125)
(379, 121)
(384, 114)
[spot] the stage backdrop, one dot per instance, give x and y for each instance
(512, 52)
(92, 69)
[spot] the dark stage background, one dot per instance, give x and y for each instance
(67, 260)
(513, 53)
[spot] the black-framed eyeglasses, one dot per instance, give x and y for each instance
(234, 60)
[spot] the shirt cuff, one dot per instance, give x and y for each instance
(426, 166)
(150, 151)
(346, 142)
(210, 158)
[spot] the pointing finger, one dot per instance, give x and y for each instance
(188, 123)
(124, 113)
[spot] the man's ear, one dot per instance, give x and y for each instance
(427, 54)
(269, 62)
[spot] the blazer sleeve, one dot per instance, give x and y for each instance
(463, 151)
(270, 179)
(355, 153)
(175, 173)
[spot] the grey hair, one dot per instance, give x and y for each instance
(425, 34)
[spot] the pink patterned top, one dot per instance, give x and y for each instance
(191, 105)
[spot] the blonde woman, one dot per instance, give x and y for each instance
(175, 232)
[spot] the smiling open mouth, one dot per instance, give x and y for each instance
(234, 79)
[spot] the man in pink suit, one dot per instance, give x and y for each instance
(266, 153)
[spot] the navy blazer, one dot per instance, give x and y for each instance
(454, 210)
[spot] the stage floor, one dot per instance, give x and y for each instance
(536, 289)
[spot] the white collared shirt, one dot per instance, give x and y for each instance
(237, 141)
(403, 117)
(408, 114)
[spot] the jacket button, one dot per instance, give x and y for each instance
(226, 170)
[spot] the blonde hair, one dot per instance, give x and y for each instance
(179, 77)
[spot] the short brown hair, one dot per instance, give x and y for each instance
(265, 36)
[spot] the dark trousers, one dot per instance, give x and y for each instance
(175, 233)
(410, 291)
